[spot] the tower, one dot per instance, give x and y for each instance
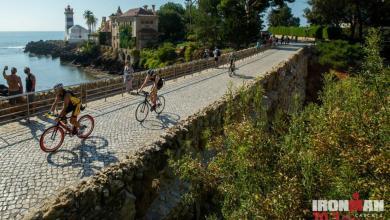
(68, 21)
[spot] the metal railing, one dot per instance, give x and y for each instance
(28, 105)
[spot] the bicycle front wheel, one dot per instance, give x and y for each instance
(87, 124)
(52, 139)
(142, 112)
(160, 104)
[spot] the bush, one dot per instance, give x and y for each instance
(166, 53)
(328, 151)
(90, 49)
(339, 54)
(163, 56)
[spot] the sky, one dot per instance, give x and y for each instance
(48, 15)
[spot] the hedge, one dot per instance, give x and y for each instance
(318, 32)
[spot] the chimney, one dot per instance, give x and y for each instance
(104, 19)
(154, 8)
(145, 7)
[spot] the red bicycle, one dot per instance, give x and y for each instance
(53, 137)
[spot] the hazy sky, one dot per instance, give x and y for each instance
(48, 15)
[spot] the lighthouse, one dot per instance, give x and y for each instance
(68, 21)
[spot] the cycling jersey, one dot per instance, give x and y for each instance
(74, 104)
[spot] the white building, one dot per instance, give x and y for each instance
(73, 33)
(77, 34)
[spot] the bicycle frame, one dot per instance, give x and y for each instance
(147, 99)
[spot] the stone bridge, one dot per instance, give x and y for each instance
(29, 176)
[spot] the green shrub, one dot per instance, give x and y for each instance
(90, 49)
(339, 54)
(166, 53)
(163, 56)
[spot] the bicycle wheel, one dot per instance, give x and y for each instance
(142, 112)
(52, 139)
(160, 104)
(87, 124)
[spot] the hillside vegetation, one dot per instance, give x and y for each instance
(273, 171)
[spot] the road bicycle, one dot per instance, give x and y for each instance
(142, 111)
(53, 137)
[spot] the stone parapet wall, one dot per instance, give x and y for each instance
(126, 190)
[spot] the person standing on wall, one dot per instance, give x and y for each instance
(128, 76)
(15, 86)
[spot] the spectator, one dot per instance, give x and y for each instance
(128, 76)
(217, 54)
(206, 54)
(258, 44)
(30, 84)
(14, 82)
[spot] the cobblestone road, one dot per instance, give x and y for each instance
(28, 176)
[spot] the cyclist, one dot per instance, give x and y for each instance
(153, 77)
(71, 104)
(232, 59)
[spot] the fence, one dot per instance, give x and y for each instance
(28, 105)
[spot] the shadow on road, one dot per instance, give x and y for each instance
(35, 128)
(163, 121)
(91, 156)
(241, 76)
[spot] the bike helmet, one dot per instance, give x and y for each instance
(58, 86)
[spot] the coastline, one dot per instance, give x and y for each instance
(92, 65)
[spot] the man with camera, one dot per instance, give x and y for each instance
(14, 82)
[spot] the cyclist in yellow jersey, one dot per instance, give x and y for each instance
(71, 104)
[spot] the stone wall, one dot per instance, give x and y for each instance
(126, 190)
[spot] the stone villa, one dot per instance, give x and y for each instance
(144, 23)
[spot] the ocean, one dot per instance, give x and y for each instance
(47, 71)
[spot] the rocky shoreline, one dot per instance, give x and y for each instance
(100, 62)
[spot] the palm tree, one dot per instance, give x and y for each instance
(87, 16)
(93, 21)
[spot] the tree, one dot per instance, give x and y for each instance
(126, 37)
(356, 13)
(282, 16)
(90, 20)
(171, 22)
(230, 22)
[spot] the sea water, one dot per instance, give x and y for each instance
(47, 71)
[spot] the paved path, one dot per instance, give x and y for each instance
(28, 176)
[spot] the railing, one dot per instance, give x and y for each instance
(32, 104)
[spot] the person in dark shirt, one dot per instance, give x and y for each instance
(30, 84)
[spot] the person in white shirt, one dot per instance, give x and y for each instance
(128, 77)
